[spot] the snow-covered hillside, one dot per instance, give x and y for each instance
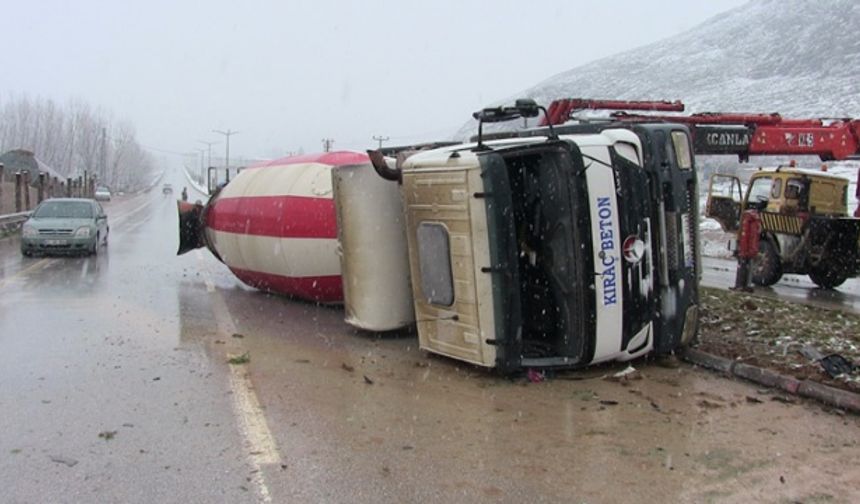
(800, 58)
(796, 57)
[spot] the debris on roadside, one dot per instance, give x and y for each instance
(367, 380)
(535, 376)
(783, 399)
(238, 335)
(833, 364)
(107, 435)
(346, 367)
(240, 359)
(70, 462)
(625, 376)
(794, 340)
(706, 404)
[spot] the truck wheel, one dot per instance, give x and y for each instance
(831, 275)
(766, 267)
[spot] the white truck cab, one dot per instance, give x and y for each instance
(552, 248)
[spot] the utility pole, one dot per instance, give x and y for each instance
(380, 139)
(208, 156)
(201, 151)
(227, 156)
(327, 143)
(103, 171)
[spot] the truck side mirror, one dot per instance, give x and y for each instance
(377, 159)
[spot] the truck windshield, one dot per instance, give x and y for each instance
(550, 221)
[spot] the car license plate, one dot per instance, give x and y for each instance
(55, 242)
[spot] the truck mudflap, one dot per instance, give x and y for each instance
(191, 227)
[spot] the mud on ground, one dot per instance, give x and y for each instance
(770, 333)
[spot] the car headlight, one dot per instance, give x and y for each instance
(29, 232)
(83, 232)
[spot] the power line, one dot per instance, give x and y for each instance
(327, 143)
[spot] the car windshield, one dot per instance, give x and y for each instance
(64, 209)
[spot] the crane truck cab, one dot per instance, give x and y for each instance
(805, 224)
(553, 248)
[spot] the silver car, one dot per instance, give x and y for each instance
(65, 225)
(102, 194)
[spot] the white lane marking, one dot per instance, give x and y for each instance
(251, 420)
(40, 265)
(84, 268)
(128, 214)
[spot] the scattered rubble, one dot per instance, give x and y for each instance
(753, 332)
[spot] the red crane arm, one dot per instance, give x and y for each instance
(559, 110)
(735, 133)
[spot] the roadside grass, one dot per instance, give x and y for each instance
(769, 333)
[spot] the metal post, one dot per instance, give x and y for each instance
(18, 201)
(208, 156)
(40, 190)
(27, 190)
(227, 135)
(69, 187)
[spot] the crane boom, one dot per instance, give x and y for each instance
(740, 134)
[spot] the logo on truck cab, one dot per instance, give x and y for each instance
(607, 247)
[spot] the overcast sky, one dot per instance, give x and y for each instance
(287, 74)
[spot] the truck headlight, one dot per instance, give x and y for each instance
(29, 232)
(83, 232)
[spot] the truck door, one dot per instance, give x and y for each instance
(724, 201)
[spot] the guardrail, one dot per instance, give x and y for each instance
(13, 221)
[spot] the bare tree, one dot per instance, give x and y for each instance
(75, 138)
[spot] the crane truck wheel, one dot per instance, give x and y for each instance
(828, 279)
(766, 267)
(830, 275)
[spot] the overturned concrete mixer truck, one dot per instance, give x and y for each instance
(540, 248)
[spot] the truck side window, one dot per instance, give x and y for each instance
(760, 190)
(434, 259)
(776, 188)
(682, 150)
(793, 188)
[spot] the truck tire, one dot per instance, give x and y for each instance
(767, 266)
(831, 274)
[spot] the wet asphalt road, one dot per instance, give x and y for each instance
(796, 288)
(114, 387)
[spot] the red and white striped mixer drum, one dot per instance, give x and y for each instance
(274, 226)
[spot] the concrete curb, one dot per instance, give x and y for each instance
(826, 394)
